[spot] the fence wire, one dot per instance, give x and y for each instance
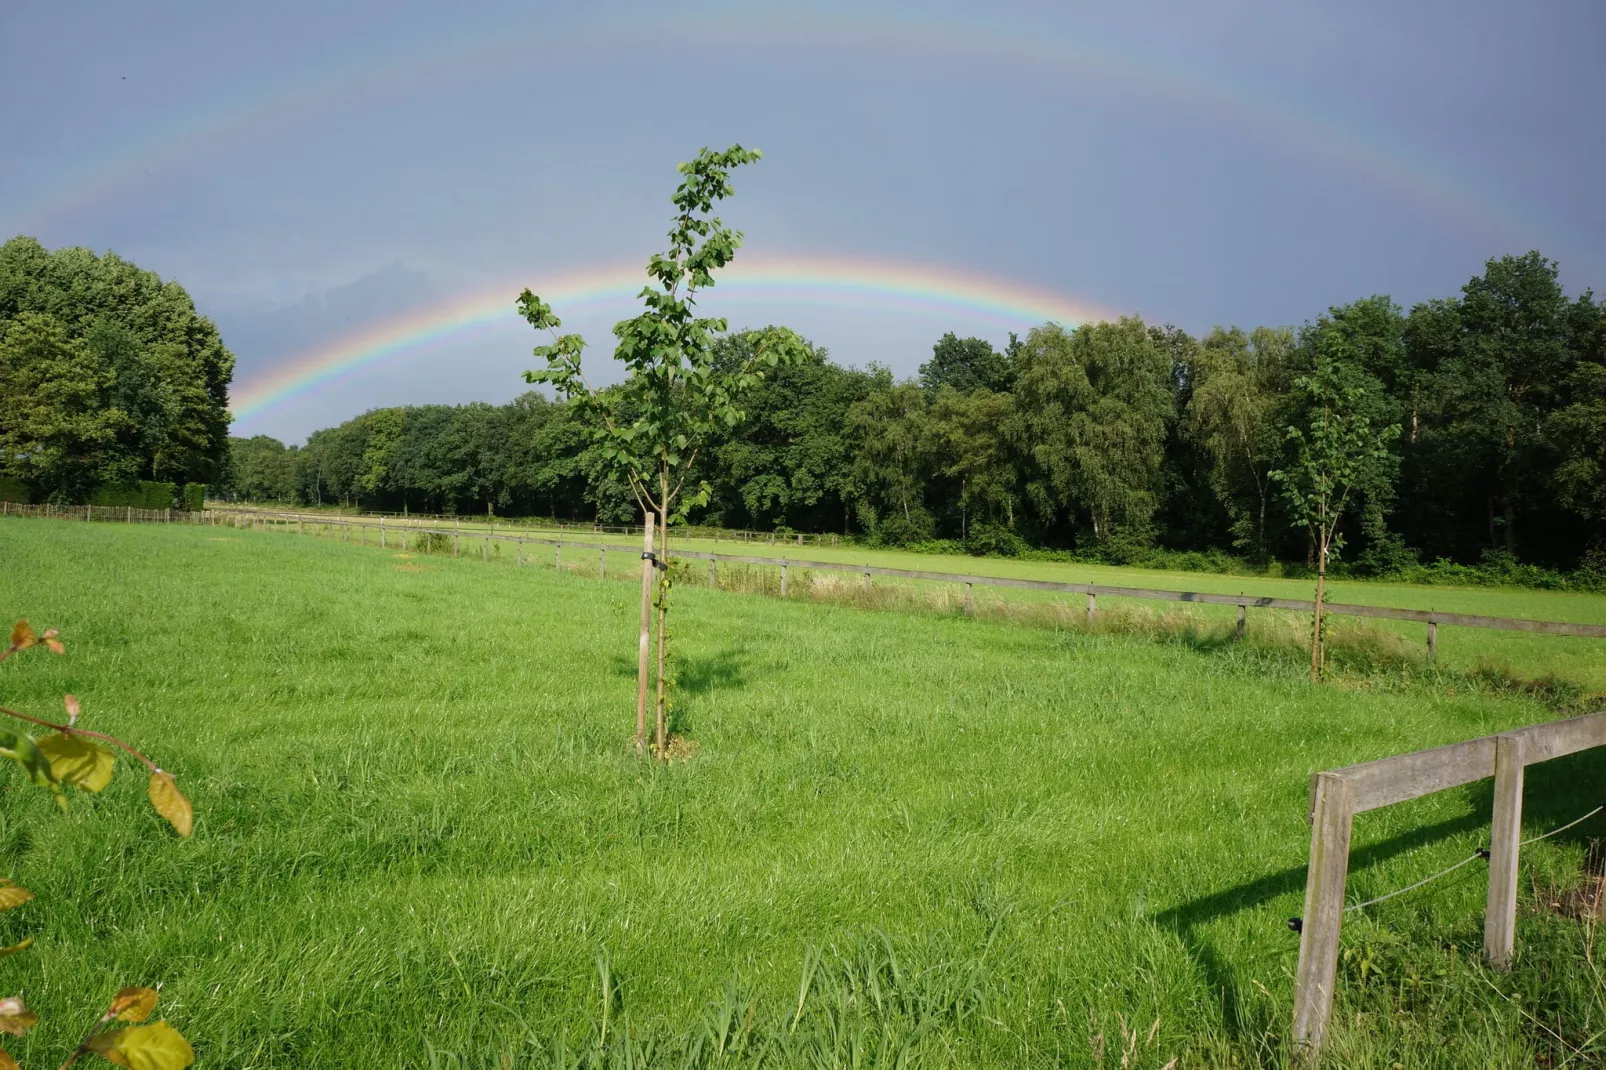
(1475, 856)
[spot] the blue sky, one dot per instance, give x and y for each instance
(311, 170)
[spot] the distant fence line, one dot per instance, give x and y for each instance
(283, 521)
(458, 520)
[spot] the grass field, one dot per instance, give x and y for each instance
(1532, 657)
(421, 839)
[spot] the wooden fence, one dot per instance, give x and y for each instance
(120, 513)
(1432, 619)
(478, 523)
(1337, 795)
(298, 522)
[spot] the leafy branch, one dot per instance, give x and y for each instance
(74, 757)
(652, 428)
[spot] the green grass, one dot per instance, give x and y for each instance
(1533, 657)
(422, 841)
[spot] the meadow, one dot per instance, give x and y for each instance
(899, 838)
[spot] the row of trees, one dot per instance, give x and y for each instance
(108, 376)
(1108, 438)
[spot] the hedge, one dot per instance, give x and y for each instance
(146, 494)
(192, 497)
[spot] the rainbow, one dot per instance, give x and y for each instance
(1439, 186)
(793, 280)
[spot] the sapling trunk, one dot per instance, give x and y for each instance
(1316, 624)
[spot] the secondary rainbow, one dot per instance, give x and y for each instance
(1437, 185)
(975, 299)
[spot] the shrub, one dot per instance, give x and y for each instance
(146, 494)
(432, 542)
(993, 540)
(13, 490)
(192, 497)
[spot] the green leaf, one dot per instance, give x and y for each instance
(20, 749)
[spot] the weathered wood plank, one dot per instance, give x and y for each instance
(1542, 742)
(1317, 973)
(1387, 781)
(1505, 839)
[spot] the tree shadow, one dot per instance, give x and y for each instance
(1554, 793)
(696, 674)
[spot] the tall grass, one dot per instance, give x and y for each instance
(904, 836)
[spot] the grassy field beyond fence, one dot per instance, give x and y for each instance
(422, 839)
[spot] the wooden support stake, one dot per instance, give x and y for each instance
(602, 563)
(970, 605)
(643, 658)
(867, 583)
(783, 581)
(713, 573)
(1332, 817)
(1243, 614)
(382, 533)
(485, 551)
(519, 559)
(1433, 640)
(557, 556)
(1500, 921)
(1092, 605)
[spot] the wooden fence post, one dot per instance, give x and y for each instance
(485, 550)
(1243, 614)
(382, 533)
(1092, 604)
(783, 581)
(557, 556)
(867, 580)
(642, 658)
(713, 573)
(602, 563)
(1332, 817)
(1500, 920)
(455, 538)
(519, 559)
(969, 600)
(1433, 640)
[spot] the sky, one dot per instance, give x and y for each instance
(356, 192)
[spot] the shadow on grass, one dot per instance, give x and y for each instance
(696, 674)
(1555, 793)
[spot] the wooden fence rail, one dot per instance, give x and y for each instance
(1337, 795)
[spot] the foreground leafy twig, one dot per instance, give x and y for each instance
(70, 756)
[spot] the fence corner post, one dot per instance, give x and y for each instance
(1332, 817)
(1505, 838)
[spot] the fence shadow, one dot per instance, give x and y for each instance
(1555, 793)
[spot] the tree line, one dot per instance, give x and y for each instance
(108, 377)
(1110, 439)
